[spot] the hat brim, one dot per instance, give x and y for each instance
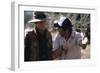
(36, 20)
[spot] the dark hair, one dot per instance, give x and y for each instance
(67, 25)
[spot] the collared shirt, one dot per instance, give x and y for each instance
(74, 50)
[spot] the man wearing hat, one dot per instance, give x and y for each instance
(68, 42)
(38, 42)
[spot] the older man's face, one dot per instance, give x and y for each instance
(40, 25)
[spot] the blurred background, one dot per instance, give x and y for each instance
(80, 22)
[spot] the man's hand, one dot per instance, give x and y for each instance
(83, 43)
(57, 53)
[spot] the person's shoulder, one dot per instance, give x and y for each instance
(78, 36)
(76, 33)
(28, 31)
(47, 31)
(31, 33)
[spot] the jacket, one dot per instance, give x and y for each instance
(31, 50)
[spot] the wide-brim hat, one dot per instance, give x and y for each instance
(36, 20)
(64, 23)
(38, 17)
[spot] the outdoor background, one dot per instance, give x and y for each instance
(80, 22)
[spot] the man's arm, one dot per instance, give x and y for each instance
(83, 43)
(27, 44)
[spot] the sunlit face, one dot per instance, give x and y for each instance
(40, 25)
(63, 33)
